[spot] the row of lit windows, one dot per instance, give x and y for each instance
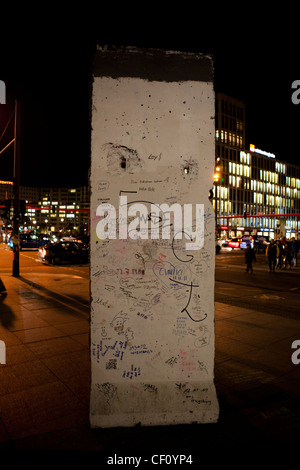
(265, 176)
(239, 169)
(268, 224)
(270, 200)
(293, 192)
(280, 193)
(293, 182)
(269, 176)
(234, 181)
(267, 187)
(222, 192)
(223, 206)
(60, 214)
(245, 158)
(278, 201)
(258, 198)
(280, 167)
(229, 138)
(261, 186)
(55, 203)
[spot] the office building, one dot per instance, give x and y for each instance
(52, 209)
(254, 192)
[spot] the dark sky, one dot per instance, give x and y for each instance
(51, 75)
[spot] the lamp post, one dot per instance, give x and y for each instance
(16, 190)
(217, 181)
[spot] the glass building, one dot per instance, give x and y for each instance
(254, 192)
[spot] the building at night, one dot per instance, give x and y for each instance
(52, 209)
(254, 191)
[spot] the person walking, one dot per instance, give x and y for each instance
(288, 255)
(272, 252)
(249, 258)
(294, 250)
(280, 255)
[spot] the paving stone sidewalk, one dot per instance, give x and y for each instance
(45, 383)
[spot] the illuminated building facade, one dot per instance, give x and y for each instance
(254, 192)
(52, 209)
(65, 209)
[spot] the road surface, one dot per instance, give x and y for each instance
(275, 293)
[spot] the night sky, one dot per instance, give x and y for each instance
(51, 75)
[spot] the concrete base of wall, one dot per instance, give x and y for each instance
(179, 403)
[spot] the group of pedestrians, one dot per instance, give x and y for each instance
(280, 254)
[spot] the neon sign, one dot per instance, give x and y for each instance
(262, 152)
(6, 182)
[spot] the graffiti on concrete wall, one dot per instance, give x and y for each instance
(152, 271)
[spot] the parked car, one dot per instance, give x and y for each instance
(64, 251)
(234, 243)
(246, 240)
(30, 240)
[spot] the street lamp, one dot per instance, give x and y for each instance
(16, 190)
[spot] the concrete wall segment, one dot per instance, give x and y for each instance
(152, 308)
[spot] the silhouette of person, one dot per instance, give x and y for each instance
(249, 258)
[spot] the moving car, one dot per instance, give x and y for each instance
(64, 251)
(234, 243)
(224, 242)
(246, 240)
(261, 243)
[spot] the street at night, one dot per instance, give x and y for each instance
(275, 293)
(45, 324)
(115, 336)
